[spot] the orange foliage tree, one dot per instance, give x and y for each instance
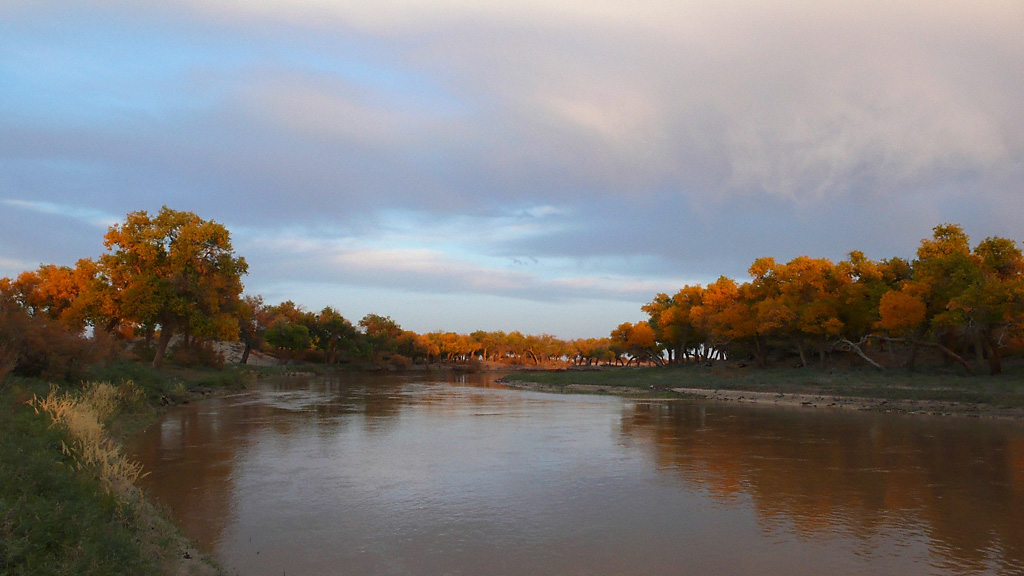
(173, 271)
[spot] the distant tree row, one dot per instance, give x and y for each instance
(957, 300)
(288, 331)
(174, 274)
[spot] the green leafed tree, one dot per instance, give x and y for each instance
(289, 340)
(332, 334)
(381, 335)
(989, 311)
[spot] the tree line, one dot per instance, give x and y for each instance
(288, 331)
(965, 303)
(174, 276)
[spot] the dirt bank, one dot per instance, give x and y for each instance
(791, 399)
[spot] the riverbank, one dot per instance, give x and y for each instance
(60, 511)
(934, 393)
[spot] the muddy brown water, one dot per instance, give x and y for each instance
(405, 475)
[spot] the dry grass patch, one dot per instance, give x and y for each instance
(83, 416)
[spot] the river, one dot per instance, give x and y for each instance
(394, 475)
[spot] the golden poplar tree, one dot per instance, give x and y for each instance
(174, 272)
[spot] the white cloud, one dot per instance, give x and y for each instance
(90, 216)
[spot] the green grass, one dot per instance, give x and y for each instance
(1006, 390)
(171, 380)
(55, 516)
(55, 519)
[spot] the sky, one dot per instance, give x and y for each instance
(546, 166)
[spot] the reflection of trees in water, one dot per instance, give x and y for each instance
(960, 482)
(382, 397)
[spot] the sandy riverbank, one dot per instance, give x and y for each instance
(787, 399)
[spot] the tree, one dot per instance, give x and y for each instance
(725, 316)
(942, 272)
(331, 333)
(901, 313)
(36, 345)
(858, 298)
(663, 319)
(289, 339)
(254, 317)
(68, 295)
(810, 291)
(173, 271)
(991, 307)
(638, 341)
(381, 333)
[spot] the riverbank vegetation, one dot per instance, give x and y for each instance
(55, 518)
(68, 500)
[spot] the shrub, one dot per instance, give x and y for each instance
(33, 346)
(231, 379)
(143, 351)
(314, 356)
(196, 353)
(8, 360)
(400, 362)
(122, 371)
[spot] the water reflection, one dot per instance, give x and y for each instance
(400, 475)
(960, 482)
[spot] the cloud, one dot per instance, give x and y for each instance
(612, 148)
(413, 264)
(800, 101)
(90, 216)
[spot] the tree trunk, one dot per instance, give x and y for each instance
(949, 356)
(111, 325)
(995, 360)
(857, 350)
(914, 345)
(245, 354)
(166, 331)
(760, 353)
(803, 358)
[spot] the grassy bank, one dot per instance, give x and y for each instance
(67, 503)
(54, 517)
(1004, 391)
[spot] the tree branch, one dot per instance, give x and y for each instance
(856, 349)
